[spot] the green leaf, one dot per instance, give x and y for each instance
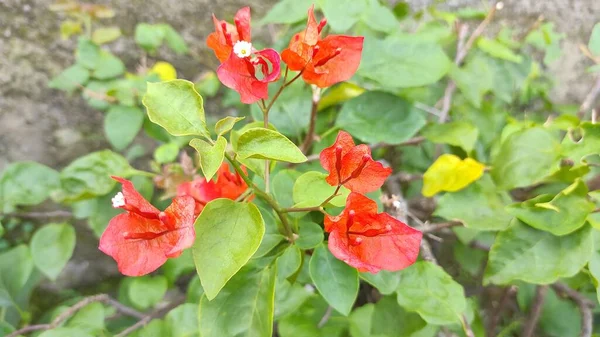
(429, 291)
(105, 35)
(147, 291)
(584, 147)
(149, 36)
(107, 66)
(534, 256)
(211, 156)
(338, 94)
(282, 185)
(87, 53)
(287, 11)
(389, 319)
(51, 248)
(525, 158)
(65, 332)
(399, 62)
(304, 322)
(166, 153)
(342, 14)
(459, 133)
(264, 143)
(474, 79)
(336, 281)
(183, 321)
(208, 85)
(450, 173)
(311, 190)
(26, 183)
(385, 281)
(16, 266)
(375, 117)
(177, 107)
(89, 176)
(122, 124)
(379, 17)
(70, 79)
(360, 321)
(178, 266)
(310, 235)
(89, 318)
(225, 243)
(480, 206)
(289, 262)
(243, 308)
(156, 328)
(225, 125)
(594, 267)
(498, 50)
(174, 40)
(594, 43)
(561, 214)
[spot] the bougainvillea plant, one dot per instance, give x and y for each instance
(369, 172)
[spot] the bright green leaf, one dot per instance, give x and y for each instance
(149, 36)
(578, 150)
(122, 124)
(534, 256)
(226, 124)
(87, 53)
(311, 190)
(166, 153)
(342, 14)
(389, 319)
(51, 248)
(107, 66)
(379, 17)
(375, 117)
(385, 281)
(65, 332)
(105, 35)
(183, 321)
(211, 156)
(450, 173)
(428, 290)
(264, 143)
(227, 235)
(71, 78)
(289, 262)
(479, 206)
(89, 318)
(339, 94)
(244, 307)
(16, 266)
(287, 11)
(177, 107)
(459, 133)
(174, 40)
(498, 50)
(336, 281)
(474, 79)
(525, 158)
(147, 291)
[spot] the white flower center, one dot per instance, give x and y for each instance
(242, 49)
(118, 200)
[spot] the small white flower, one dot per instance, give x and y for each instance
(118, 200)
(242, 49)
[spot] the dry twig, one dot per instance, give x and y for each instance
(584, 304)
(535, 311)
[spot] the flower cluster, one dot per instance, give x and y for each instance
(142, 239)
(321, 61)
(361, 237)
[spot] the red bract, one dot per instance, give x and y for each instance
(369, 241)
(352, 166)
(240, 62)
(323, 62)
(142, 239)
(227, 185)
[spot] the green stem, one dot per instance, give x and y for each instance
(289, 233)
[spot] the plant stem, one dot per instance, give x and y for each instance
(289, 233)
(316, 98)
(535, 312)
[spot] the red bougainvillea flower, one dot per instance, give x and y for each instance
(142, 239)
(243, 68)
(323, 62)
(227, 185)
(369, 241)
(352, 166)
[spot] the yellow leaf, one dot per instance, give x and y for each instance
(450, 173)
(164, 70)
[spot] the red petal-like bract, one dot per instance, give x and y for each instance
(369, 241)
(142, 239)
(323, 62)
(221, 41)
(352, 166)
(227, 185)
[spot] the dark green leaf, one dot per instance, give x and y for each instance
(375, 117)
(385, 281)
(244, 307)
(282, 185)
(51, 248)
(289, 262)
(89, 318)
(147, 291)
(183, 321)
(428, 290)
(336, 281)
(310, 235)
(122, 124)
(16, 266)
(177, 107)
(26, 183)
(534, 256)
(225, 243)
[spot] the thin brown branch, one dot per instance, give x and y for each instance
(310, 135)
(38, 215)
(325, 317)
(467, 327)
(72, 310)
(589, 99)
(584, 304)
(507, 295)
(440, 226)
(158, 313)
(535, 311)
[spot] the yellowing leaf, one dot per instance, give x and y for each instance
(164, 70)
(450, 173)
